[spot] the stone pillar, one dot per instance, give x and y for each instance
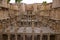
(35, 7)
(24, 32)
(1, 37)
(41, 34)
(8, 31)
(15, 36)
(32, 30)
(32, 36)
(41, 37)
(8, 36)
(48, 36)
(23, 7)
(23, 36)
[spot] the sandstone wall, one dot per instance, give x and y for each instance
(56, 3)
(55, 14)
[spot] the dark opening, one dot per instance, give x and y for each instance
(37, 37)
(12, 37)
(45, 37)
(5, 37)
(52, 37)
(19, 37)
(28, 37)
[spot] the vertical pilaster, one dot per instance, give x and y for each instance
(23, 7)
(48, 36)
(35, 7)
(16, 33)
(15, 36)
(41, 35)
(32, 30)
(8, 36)
(23, 36)
(1, 37)
(32, 36)
(24, 31)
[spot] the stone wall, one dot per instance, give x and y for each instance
(56, 3)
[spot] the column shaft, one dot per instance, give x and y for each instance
(8, 36)
(24, 37)
(41, 35)
(33, 37)
(32, 30)
(15, 36)
(1, 37)
(48, 36)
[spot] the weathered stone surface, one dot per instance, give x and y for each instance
(30, 18)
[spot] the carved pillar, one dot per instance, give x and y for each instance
(35, 7)
(8, 36)
(1, 30)
(23, 36)
(32, 36)
(32, 30)
(15, 36)
(1, 37)
(24, 31)
(23, 7)
(16, 28)
(41, 35)
(8, 31)
(48, 36)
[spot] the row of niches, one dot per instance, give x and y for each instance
(19, 19)
(27, 23)
(24, 24)
(21, 27)
(28, 17)
(23, 16)
(12, 24)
